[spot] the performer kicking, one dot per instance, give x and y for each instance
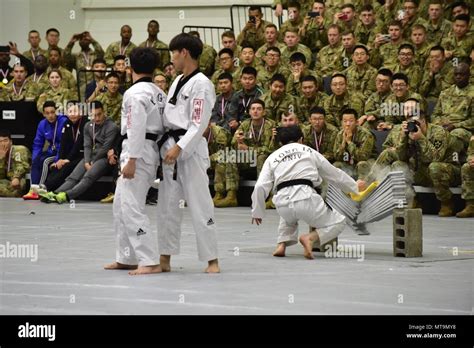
(142, 112)
(186, 158)
(295, 170)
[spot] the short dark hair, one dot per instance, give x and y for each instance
(255, 8)
(226, 50)
(367, 8)
(279, 78)
(257, 101)
(298, 57)
(399, 76)
(99, 60)
(463, 17)
(395, 23)
(349, 111)
(247, 45)
(52, 30)
(49, 104)
(294, 4)
(96, 105)
(55, 49)
(338, 74)
(289, 134)
(188, 42)
(462, 4)
(348, 5)
(309, 78)
(385, 72)
(225, 76)
(364, 47)
(113, 74)
(119, 57)
(33, 31)
(274, 49)
(317, 110)
(249, 70)
(143, 60)
(5, 133)
(406, 46)
(438, 48)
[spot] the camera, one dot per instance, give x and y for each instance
(4, 49)
(412, 126)
(401, 15)
(313, 14)
(387, 37)
(253, 19)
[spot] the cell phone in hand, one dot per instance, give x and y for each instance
(343, 17)
(253, 19)
(313, 14)
(4, 49)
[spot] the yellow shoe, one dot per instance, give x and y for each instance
(108, 199)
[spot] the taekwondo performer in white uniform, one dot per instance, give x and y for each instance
(141, 125)
(186, 157)
(295, 170)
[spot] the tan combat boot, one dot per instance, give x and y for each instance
(229, 201)
(447, 208)
(468, 211)
(218, 197)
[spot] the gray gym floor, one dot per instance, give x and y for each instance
(75, 242)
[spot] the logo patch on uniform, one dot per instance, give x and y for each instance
(129, 117)
(437, 144)
(140, 232)
(198, 106)
(210, 222)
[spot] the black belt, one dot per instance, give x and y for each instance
(149, 136)
(175, 134)
(294, 182)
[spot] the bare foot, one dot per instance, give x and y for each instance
(118, 266)
(280, 250)
(307, 245)
(148, 270)
(213, 267)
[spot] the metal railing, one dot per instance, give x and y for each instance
(239, 16)
(209, 35)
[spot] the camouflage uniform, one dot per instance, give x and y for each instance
(217, 73)
(207, 59)
(29, 55)
(461, 48)
(20, 165)
(413, 72)
(275, 108)
(366, 35)
(293, 26)
(112, 106)
(263, 146)
(316, 37)
(456, 106)
(254, 37)
(306, 105)
(362, 81)
(264, 76)
(294, 87)
(29, 92)
(356, 158)
(59, 96)
(393, 110)
(427, 162)
(80, 61)
(467, 175)
(237, 51)
(422, 54)
(415, 20)
(385, 55)
(436, 34)
(326, 148)
(373, 106)
(41, 84)
(226, 178)
(286, 54)
(260, 53)
(334, 105)
(240, 102)
(162, 49)
(328, 60)
(431, 86)
(306, 5)
(115, 49)
(67, 80)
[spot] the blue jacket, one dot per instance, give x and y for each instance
(45, 132)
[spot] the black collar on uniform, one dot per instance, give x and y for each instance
(182, 81)
(143, 79)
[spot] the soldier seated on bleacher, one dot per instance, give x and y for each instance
(99, 137)
(14, 165)
(422, 150)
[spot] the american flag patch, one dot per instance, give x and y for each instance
(198, 106)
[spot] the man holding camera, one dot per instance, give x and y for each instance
(254, 31)
(422, 150)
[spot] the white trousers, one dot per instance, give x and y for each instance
(328, 223)
(136, 239)
(192, 186)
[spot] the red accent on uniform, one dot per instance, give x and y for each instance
(198, 106)
(129, 117)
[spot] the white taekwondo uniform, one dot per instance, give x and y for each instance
(142, 112)
(296, 161)
(188, 111)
